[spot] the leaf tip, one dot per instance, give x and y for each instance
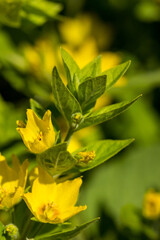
(129, 62)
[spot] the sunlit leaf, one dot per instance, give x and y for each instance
(115, 73)
(65, 102)
(106, 113)
(104, 150)
(90, 90)
(67, 234)
(70, 67)
(92, 69)
(56, 159)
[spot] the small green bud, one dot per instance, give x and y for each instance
(76, 119)
(12, 231)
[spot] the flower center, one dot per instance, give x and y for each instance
(40, 136)
(49, 211)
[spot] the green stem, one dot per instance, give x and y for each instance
(13, 215)
(39, 227)
(25, 229)
(69, 135)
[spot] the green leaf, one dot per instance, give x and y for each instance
(37, 108)
(104, 150)
(115, 73)
(92, 69)
(65, 102)
(71, 68)
(56, 160)
(42, 7)
(10, 12)
(67, 234)
(90, 90)
(124, 180)
(1, 229)
(105, 113)
(38, 11)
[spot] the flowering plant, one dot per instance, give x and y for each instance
(52, 193)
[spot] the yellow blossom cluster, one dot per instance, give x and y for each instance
(12, 182)
(50, 202)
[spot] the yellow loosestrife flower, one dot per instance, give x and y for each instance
(51, 202)
(38, 134)
(151, 205)
(12, 182)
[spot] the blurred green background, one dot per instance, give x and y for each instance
(31, 33)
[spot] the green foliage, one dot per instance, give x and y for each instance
(123, 181)
(1, 230)
(105, 113)
(90, 90)
(92, 69)
(104, 150)
(56, 160)
(71, 68)
(65, 234)
(75, 101)
(10, 12)
(116, 73)
(64, 99)
(87, 85)
(37, 12)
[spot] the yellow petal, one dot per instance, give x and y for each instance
(67, 193)
(71, 212)
(12, 182)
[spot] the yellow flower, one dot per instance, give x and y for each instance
(51, 202)
(151, 206)
(79, 29)
(38, 134)
(12, 182)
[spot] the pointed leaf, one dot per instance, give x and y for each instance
(115, 73)
(67, 234)
(70, 67)
(64, 100)
(56, 160)
(92, 69)
(104, 150)
(90, 90)
(37, 108)
(106, 113)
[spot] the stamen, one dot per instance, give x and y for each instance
(86, 157)
(40, 136)
(49, 211)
